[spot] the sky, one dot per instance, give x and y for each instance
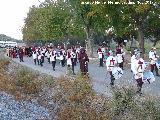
(12, 14)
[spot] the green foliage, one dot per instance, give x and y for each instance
(70, 19)
(123, 100)
(51, 21)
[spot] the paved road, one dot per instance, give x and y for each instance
(100, 78)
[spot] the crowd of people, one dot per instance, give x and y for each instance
(75, 54)
(115, 58)
(69, 57)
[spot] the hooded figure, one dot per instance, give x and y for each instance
(21, 55)
(83, 59)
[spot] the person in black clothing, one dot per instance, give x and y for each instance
(21, 55)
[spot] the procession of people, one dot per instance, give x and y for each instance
(112, 59)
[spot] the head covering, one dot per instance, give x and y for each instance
(137, 54)
(82, 50)
(99, 50)
(153, 48)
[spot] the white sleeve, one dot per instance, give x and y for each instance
(107, 61)
(134, 67)
(150, 54)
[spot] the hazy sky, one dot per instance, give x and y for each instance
(12, 14)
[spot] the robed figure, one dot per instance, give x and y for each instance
(83, 59)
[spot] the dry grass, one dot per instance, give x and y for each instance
(28, 81)
(20, 84)
(77, 101)
(5, 83)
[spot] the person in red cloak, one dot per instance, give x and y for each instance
(83, 59)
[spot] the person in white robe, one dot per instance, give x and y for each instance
(100, 56)
(110, 64)
(34, 57)
(39, 58)
(138, 70)
(53, 59)
(153, 59)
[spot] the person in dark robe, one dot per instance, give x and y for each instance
(14, 53)
(83, 59)
(21, 55)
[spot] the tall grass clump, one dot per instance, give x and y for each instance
(5, 83)
(126, 105)
(78, 101)
(27, 80)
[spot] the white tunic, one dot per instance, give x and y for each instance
(69, 61)
(153, 57)
(61, 57)
(73, 55)
(111, 63)
(100, 55)
(119, 58)
(138, 68)
(52, 58)
(39, 57)
(133, 58)
(47, 54)
(34, 56)
(103, 50)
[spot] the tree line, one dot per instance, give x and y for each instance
(78, 20)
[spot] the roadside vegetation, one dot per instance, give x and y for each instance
(75, 99)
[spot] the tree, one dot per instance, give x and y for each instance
(51, 20)
(92, 20)
(127, 18)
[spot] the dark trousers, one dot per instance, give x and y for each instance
(73, 67)
(21, 58)
(63, 62)
(74, 60)
(69, 68)
(40, 62)
(112, 78)
(101, 62)
(121, 65)
(154, 67)
(53, 65)
(35, 61)
(139, 84)
(48, 60)
(42, 58)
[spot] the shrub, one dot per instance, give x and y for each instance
(49, 80)
(27, 80)
(77, 101)
(4, 63)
